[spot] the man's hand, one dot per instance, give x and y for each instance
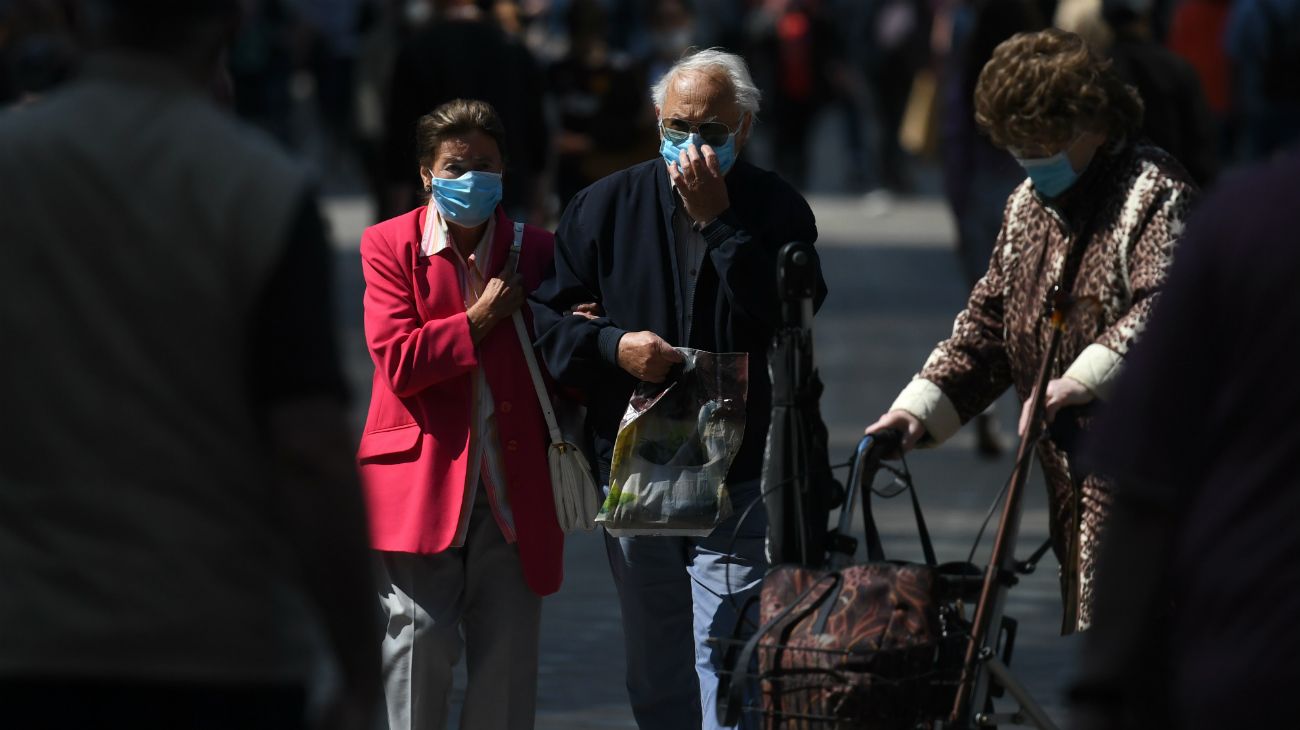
(500, 299)
(646, 356)
(589, 310)
(699, 180)
(903, 422)
(1061, 392)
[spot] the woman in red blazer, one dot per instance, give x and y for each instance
(453, 457)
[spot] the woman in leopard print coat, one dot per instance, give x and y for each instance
(1114, 209)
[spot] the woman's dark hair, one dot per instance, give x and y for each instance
(1043, 88)
(457, 117)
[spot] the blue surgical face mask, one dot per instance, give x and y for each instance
(468, 200)
(1051, 175)
(726, 153)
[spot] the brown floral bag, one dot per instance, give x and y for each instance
(872, 646)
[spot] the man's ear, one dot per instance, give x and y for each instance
(746, 126)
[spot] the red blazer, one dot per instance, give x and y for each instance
(414, 451)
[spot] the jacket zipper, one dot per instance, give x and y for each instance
(689, 324)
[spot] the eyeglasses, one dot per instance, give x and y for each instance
(714, 134)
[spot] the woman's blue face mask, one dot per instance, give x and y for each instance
(468, 200)
(1052, 175)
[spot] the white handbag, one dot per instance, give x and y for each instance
(576, 496)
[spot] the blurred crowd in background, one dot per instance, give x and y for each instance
(886, 83)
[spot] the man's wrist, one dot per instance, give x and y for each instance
(607, 343)
(719, 229)
(705, 221)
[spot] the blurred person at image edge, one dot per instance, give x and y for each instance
(177, 505)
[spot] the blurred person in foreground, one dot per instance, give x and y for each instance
(677, 251)
(1199, 584)
(464, 54)
(453, 457)
(177, 505)
(1099, 216)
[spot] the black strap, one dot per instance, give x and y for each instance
(731, 686)
(1032, 562)
(870, 458)
(927, 546)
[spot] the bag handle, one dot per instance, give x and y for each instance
(868, 456)
(543, 399)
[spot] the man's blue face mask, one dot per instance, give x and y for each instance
(1051, 175)
(675, 141)
(468, 200)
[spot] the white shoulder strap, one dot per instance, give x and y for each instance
(548, 410)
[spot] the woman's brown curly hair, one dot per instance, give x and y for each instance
(1043, 88)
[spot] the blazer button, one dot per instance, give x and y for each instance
(506, 407)
(512, 445)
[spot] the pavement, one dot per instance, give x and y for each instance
(895, 287)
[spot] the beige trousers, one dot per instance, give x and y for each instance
(470, 599)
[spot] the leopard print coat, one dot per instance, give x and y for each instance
(1126, 211)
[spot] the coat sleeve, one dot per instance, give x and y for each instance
(968, 371)
(745, 260)
(410, 354)
(575, 348)
(1146, 260)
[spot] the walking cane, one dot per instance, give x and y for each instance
(980, 662)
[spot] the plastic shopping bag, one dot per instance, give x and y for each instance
(674, 447)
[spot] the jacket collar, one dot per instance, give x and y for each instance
(434, 239)
(1075, 206)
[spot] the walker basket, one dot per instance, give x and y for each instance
(797, 686)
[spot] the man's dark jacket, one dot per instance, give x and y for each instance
(615, 246)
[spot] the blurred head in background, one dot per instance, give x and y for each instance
(671, 29)
(588, 28)
(1131, 14)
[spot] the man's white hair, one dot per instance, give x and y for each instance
(713, 60)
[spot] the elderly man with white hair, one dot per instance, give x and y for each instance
(679, 251)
